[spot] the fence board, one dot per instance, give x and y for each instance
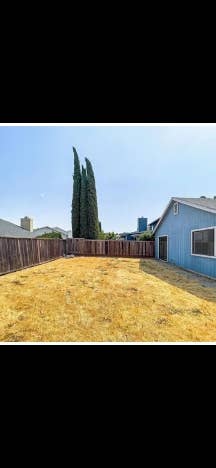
(110, 248)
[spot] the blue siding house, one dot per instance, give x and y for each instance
(185, 235)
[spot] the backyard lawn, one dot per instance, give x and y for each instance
(106, 299)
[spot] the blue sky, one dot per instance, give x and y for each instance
(137, 170)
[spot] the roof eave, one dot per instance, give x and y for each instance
(162, 216)
(183, 202)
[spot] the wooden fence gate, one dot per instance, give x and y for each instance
(110, 248)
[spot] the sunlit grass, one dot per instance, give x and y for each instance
(106, 299)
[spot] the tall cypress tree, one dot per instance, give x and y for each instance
(93, 225)
(83, 206)
(76, 196)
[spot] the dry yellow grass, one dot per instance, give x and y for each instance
(106, 299)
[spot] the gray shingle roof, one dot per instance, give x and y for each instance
(208, 204)
(205, 204)
(8, 229)
(153, 222)
(48, 229)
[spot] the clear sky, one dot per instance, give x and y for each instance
(137, 170)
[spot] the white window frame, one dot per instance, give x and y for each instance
(175, 205)
(204, 229)
(163, 235)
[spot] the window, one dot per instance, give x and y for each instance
(175, 208)
(203, 242)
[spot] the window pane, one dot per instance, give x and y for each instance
(203, 242)
(175, 208)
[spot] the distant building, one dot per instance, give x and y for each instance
(27, 223)
(153, 224)
(47, 230)
(65, 234)
(69, 233)
(8, 229)
(125, 236)
(142, 224)
(130, 235)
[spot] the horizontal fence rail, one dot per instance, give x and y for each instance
(110, 248)
(19, 253)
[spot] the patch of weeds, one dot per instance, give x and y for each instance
(174, 310)
(12, 337)
(105, 319)
(17, 282)
(196, 311)
(161, 321)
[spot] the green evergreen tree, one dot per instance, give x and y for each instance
(101, 232)
(83, 206)
(76, 196)
(93, 224)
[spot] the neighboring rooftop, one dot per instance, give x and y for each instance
(8, 229)
(58, 229)
(153, 222)
(48, 229)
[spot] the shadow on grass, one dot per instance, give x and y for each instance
(192, 283)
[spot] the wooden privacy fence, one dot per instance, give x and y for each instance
(16, 254)
(19, 253)
(110, 248)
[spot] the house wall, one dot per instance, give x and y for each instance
(41, 231)
(178, 228)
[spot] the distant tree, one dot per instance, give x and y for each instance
(76, 196)
(147, 235)
(110, 236)
(101, 232)
(50, 235)
(101, 235)
(83, 206)
(92, 206)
